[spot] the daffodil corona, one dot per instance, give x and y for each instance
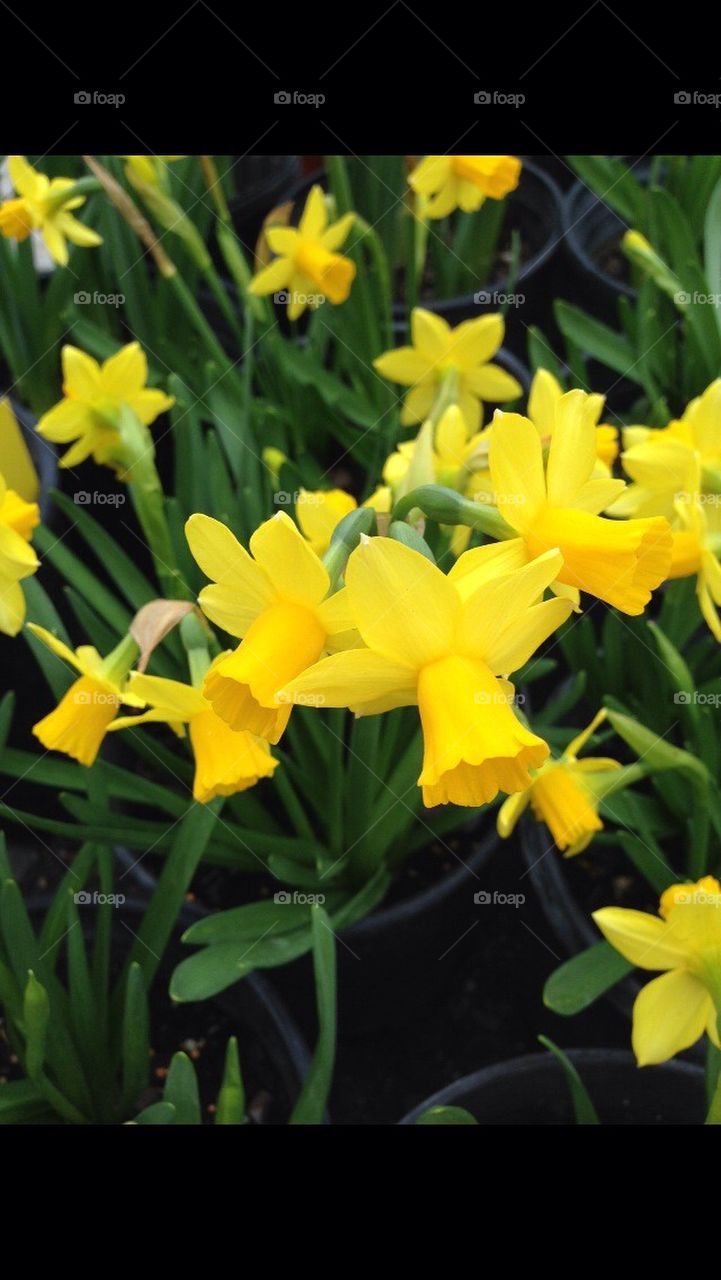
(39, 205)
(672, 1012)
(444, 643)
(457, 359)
(463, 182)
(565, 794)
(276, 600)
(225, 761)
(92, 396)
(17, 558)
(308, 267)
(619, 561)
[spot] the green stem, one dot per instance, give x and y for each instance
(445, 506)
(223, 301)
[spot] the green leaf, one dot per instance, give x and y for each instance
(21, 1102)
(597, 340)
(251, 922)
(311, 1105)
(181, 1089)
(124, 574)
(135, 1038)
(156, 1113)
(712, 245)
(583, 1108)
(36, 1016)
(446, 1115)
(231, 1098)
(583, 978)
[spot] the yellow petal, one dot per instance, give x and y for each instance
(12, 606)
(81, 375)
(273, 278)
(516, 464)
(319, 512)
(476, 341)
(125, 373)
(517, 644)
(282, 240)
(65, 421)
(430, 174)
(360, 679)
(642, 939)
(338, 232)
(418, 403)
(180, 700)
(501, 604)
(403, 606)
(23, 177)
(494, 384)
(80, 721)
(226, 762)
(431, 334)
(669, 1015)
(510, 812)
(481, 564)
(578, 743)
(243, 589)
(293, 569)
(77, 232)
(149, 403)
(56, 646)
(572, 455)
(543, 399)
(314, 219)
(404, 365)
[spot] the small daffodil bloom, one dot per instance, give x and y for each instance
(17, 558)
(444, 644)
(544, 399)
(39, 206)
(92, 396)
(225, 761)
(618, 561)
(276, 600)
(319, 511)
(661, 462)
(441, 355)
(81, 719)
(672, 1012)
(565, 794)
(463, 182)
(308, 267)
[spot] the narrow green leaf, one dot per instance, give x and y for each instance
(583, 1108)
(311, 1105)
(136, 1038)
(231, 1098)
(181, 1090)
(583, 978)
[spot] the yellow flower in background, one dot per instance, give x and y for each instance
(562, 794)
(39, 206)
(463, 182)
(443, 644)
(148, 169)
(225, 761)
(93, 394)
(618, 561)
(17, 558)
(544, 399)
(672, 1012)
(661, 461)
(697, 548)
(276, 600)
(319, 511)
(308, 269)
(441, 355)
(81, 719)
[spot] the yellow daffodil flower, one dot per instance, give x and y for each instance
(672, 1012)
(93, 394)
(442, 643)
(319, 511)
(81, 719)
(463, 182)
(17, 558)
(697, 548)
(456, 358)
(309, 268)
(619, 561)
(225, 761)
(39, 206)
(276, 599)
(543, 401)
(147, 169)
(564, 796)
(661, 461)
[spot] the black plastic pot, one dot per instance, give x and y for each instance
(403, 958)
(532, 1091)
(589, 228)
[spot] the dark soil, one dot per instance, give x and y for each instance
(611, 259)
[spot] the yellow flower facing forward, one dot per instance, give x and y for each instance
(458, 357)
(618, 561)
(17, 558)
(39, 206)
(276, 600)
(697, 548)
(308, 267)
(672, 1012)
(225, 761)
(463, 182)
(319, 511)
(544, 400)
(564, 795)
(661, 461)
(443, 644)
(92, 396)
(81, 719)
